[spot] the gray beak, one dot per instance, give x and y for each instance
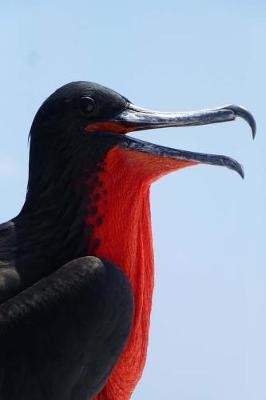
(134, 118)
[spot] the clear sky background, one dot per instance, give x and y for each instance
(208, 335)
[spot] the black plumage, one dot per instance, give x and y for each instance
(60, 338)
(64, 317)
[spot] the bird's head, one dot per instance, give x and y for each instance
(86, 120)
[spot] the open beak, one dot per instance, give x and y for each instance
(135, 118)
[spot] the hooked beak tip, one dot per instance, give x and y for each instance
(242, 112)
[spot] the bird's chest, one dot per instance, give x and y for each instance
(120, 225)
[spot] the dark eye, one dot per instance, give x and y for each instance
(86, 105)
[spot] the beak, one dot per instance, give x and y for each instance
(134, 118)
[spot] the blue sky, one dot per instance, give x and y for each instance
(208, 325)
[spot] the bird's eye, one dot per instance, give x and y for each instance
(86, 105)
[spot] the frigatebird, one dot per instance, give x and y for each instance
(76, 264)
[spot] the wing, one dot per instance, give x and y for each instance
(61, 337)
(9, 277)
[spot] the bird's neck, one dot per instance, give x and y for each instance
(122, 234)
(51, 228)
